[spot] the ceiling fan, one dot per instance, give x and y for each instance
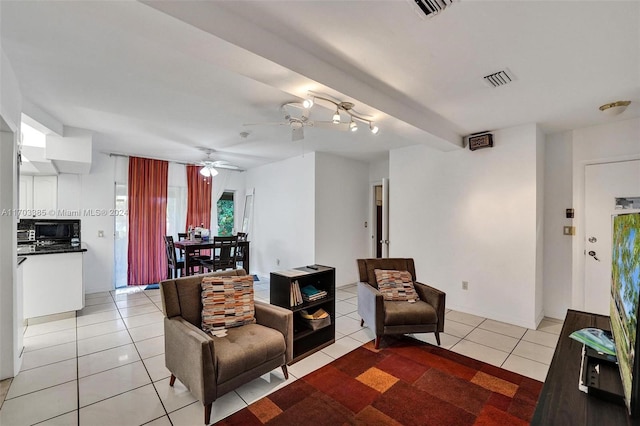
(209, 166)
(296, 116)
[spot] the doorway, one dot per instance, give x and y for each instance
(377, 190)
(380, 220)
(609, 188)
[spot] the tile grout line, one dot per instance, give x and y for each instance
(166, 413)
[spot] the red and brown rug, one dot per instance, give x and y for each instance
(408, 382)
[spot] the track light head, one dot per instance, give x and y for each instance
(374, 129)
(307, 103)
(336, 117)
(353, 126)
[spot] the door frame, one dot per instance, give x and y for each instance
(372, 217)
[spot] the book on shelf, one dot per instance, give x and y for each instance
(295, 297)
(310, 293)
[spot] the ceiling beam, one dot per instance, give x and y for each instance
(277, 62)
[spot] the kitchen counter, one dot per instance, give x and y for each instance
(32, 249)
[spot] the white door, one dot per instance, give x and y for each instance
(603, 184)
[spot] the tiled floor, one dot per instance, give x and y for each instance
(106, 366)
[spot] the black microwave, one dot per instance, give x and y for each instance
(57, 230)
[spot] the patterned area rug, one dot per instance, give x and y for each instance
(405, 382)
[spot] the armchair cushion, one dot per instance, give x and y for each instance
(400, 313)
(396, 285)
(227, 302)
(245, 347)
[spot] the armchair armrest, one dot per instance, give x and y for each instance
(371, 307)
(190, 355)
(278, 318)
(435, 298)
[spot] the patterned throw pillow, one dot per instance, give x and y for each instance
(396, 285)
(227, 302)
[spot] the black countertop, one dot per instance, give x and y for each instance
(30, 250)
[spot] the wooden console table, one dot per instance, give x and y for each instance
(560, 402)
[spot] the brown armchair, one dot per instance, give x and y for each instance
(212, 366)
(394, 317)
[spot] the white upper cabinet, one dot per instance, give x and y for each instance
(39, 196)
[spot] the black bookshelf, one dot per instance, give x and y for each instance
(305, 340)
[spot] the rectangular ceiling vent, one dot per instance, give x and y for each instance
(499, 78)
(432, 7)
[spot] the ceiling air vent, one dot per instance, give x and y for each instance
(432, 7)
(499, 78)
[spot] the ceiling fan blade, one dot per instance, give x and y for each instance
(221, 164)
(330, 125)
(275, 123)
(297, 134)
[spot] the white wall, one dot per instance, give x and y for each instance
(283, 214)
(97, 191)
(11, 99)
(598, 144)
(558, 178)
(10, 107)
(341, 208)
(540, 149)
(379, 170)
(567, 155)
(471, 216)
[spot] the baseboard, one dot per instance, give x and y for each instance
(49, 318)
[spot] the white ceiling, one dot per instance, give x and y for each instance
(161, 79)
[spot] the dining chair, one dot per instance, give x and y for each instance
(225, 254)
(197, 256)
(240, 257)
(174, 265)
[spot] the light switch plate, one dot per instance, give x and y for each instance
(569, 230)
(100, 234)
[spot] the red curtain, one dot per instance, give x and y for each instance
(147, 220)
(198, 198)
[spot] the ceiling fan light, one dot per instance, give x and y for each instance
(307, 103)
(353, 126)
(205, 171)
(374, 129)
(336, 117)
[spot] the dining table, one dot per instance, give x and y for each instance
(191, 247)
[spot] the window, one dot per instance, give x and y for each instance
(226, 214)
(176, 210)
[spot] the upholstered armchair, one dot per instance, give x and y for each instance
(398, 317)
(212, 366)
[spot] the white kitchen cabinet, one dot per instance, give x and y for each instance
(40, 195)
(52, 284)
(26, 192)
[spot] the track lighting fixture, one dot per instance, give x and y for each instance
(342, 106)
(336, 117)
